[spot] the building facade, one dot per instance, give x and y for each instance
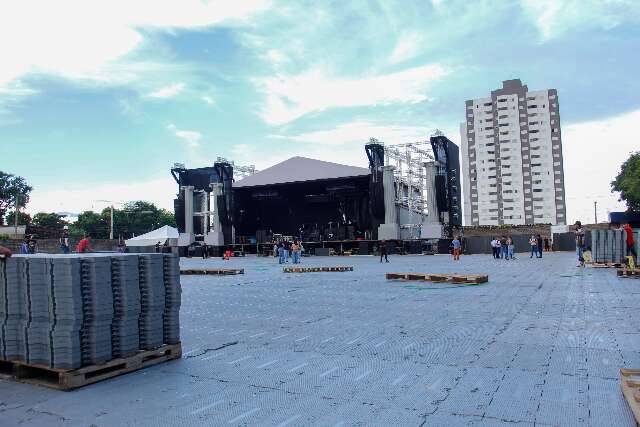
(512, 158)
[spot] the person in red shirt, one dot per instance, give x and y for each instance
(631, 250)
(83, 245)
(5, 252)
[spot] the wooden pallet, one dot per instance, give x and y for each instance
(630, 384)
(629, 273)
(316, 269)
(469, 279)
(212, 271)
(69, 379)
(606, 265)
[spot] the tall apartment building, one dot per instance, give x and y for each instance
(512, 158)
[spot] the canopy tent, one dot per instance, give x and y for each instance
(161, 235)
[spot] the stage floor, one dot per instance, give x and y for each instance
(540, 344)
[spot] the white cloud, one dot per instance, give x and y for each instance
(190, 137)
(408, 46)
(359, 133)
(555, 17)
(209, 100)
(83, 39)
(167, 91)
(291, 97)
(76, 199)
(593, 153)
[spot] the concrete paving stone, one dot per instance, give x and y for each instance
(517, 397)
(558, 413)
(473, 393)
(497, 354)
(604, 363)
(533, 357)
(606, 403)
(569, 361)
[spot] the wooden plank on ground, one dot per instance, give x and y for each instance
(630, 384)
(469, 279)
(334, 269)
(212, 271)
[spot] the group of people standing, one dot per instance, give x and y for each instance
(286, 250)
(503, 248)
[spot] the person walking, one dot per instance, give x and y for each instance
(382, 247)
(33, 245)
(631, 250)
(547, 246)
(275, 250)
(286, 246)
(579, 232)
(457, 246)
(539, 242)
(503, 247)
(498, 248)
(84, 245)
(533, 242)
(281, 253)
(24, 247)
(510, 248)
(5, 252)
(205, 251)
(295, 252)
(64, 241)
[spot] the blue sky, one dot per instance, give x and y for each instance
(98, 99)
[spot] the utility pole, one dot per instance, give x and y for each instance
(595, 211)
(111, 225)
(15, 216)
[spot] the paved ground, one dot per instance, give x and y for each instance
(541, 344)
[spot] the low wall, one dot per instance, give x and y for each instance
(52, 246)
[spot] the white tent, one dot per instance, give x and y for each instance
(161, 235)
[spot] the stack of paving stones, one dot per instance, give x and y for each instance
(66, 311)
(67, 308)
(125, 283)
(97, 309)
(40, 316)
(608, 245)
(13, 278)
(172, 291)
(152, 300)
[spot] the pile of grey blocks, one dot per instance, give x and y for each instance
(68, 311)
(611, 245)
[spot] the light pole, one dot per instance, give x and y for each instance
(111, 220)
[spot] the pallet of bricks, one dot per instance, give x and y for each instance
(608, 248)
(72, 320)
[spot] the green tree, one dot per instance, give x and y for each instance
(92, 224)
(23, 218)
(166, 218)
(49, 221)
(11, 188)
(627, 183)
